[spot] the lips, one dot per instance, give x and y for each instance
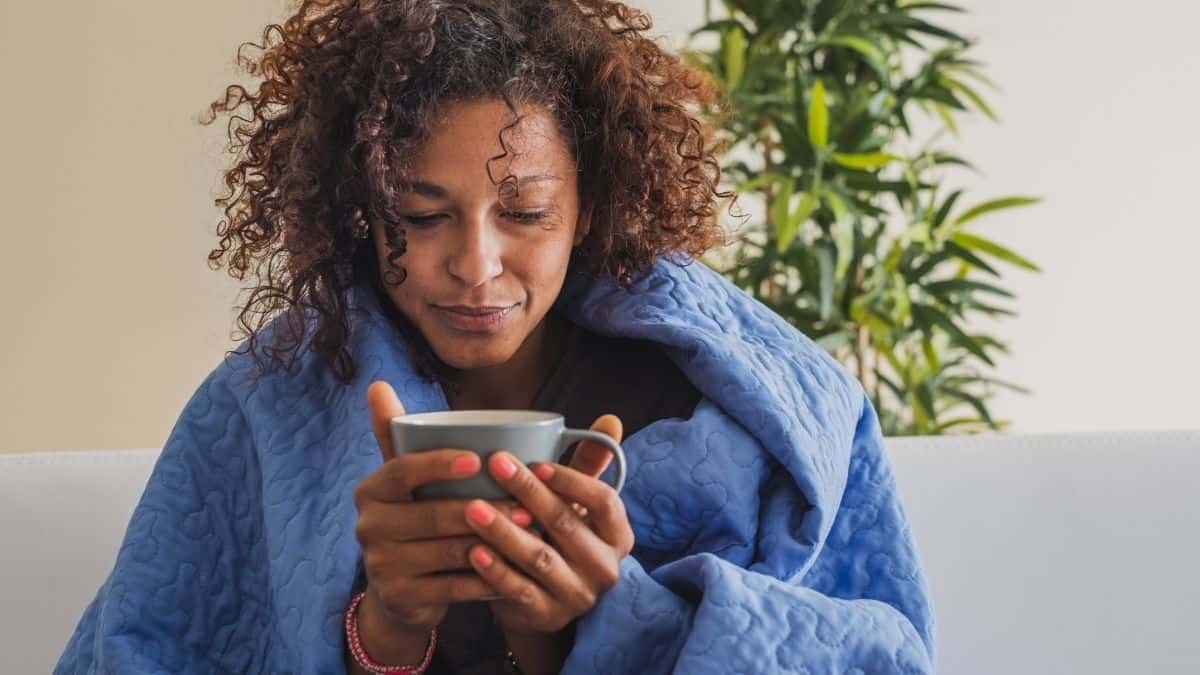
(474, 318)
(476, 311)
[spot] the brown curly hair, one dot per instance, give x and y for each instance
(349, 89)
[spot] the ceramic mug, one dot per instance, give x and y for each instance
(529, 435)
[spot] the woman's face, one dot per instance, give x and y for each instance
(484, 266)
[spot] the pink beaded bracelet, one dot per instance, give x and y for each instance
(369, 664)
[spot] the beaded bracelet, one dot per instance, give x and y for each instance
(369, 664)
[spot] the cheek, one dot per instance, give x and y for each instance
(420, 279)
(544, 265)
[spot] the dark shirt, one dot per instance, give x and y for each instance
(595, 375)
(632, 379)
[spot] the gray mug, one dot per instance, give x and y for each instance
(529, 435)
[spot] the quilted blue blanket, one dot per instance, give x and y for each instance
(770, 537)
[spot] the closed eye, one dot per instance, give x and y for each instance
(421, 221)
(526, 216)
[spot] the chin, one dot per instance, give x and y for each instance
(470, 356)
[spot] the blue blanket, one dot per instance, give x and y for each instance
(770, 537)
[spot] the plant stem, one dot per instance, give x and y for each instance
(862, 335)
(862, 338)
(772, 293)
(875, 366)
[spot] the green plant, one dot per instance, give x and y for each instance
(859, 244)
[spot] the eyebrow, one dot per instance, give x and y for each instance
(435, 191)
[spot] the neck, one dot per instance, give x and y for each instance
(512, 385)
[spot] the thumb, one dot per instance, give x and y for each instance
(592, 458)
(384, 405)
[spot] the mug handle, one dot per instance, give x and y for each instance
(570, 436)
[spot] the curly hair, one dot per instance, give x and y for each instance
(349, 91)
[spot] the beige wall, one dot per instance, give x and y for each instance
(112, 317)
(108, 184)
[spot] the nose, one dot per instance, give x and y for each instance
(476, 258)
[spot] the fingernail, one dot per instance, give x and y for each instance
(479, 513)
(482, 558)
(503, 466)
(466, 465)
(521, 517)
(543, 471)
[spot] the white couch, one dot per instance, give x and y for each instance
(1068, 553)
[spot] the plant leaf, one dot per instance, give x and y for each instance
(958, 422)
(864, 162)
(871, 53)
(760, 181)
(965, 285)
(992, 342)
(971, 94)
(905, 21)
(922, 422)
(994, 205)
(944, 211)
(914, 6)
(947, 117)
(1006, 385)
(818, 117)
(825, 263)
(734, 53)
(973, 401)
(988, 309)
(807, 204)
(843, 234)
(892, 386)
(932, 315)
(975, 243)
(941, 158)
(931, 355)
(780, 209)
(962, 253)
(858, 44)
(975, 75)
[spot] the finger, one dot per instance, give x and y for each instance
(562, 524)
(526, 554)
(603, 506)
(593, 457)
(431, 520)
(510, 584)
(446, 589)
(427, 556)
(384, 405)
(396, 478)
(554, 609)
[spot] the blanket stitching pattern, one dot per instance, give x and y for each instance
(785, 548)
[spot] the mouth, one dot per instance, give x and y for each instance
(484, 319)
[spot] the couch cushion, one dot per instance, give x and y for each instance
(62, 517)
(1047, 553)
(1058, 553)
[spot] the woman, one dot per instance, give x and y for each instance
(488, 204)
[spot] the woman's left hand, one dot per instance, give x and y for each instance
(545, 587)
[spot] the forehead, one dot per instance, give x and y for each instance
(466, 136)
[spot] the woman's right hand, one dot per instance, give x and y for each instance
(415, 552)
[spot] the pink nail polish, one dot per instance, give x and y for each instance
(521, 517)
(479, 513)
(482, 558)
(465, 465)
(503, 466)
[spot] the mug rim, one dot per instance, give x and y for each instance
(445, 418)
